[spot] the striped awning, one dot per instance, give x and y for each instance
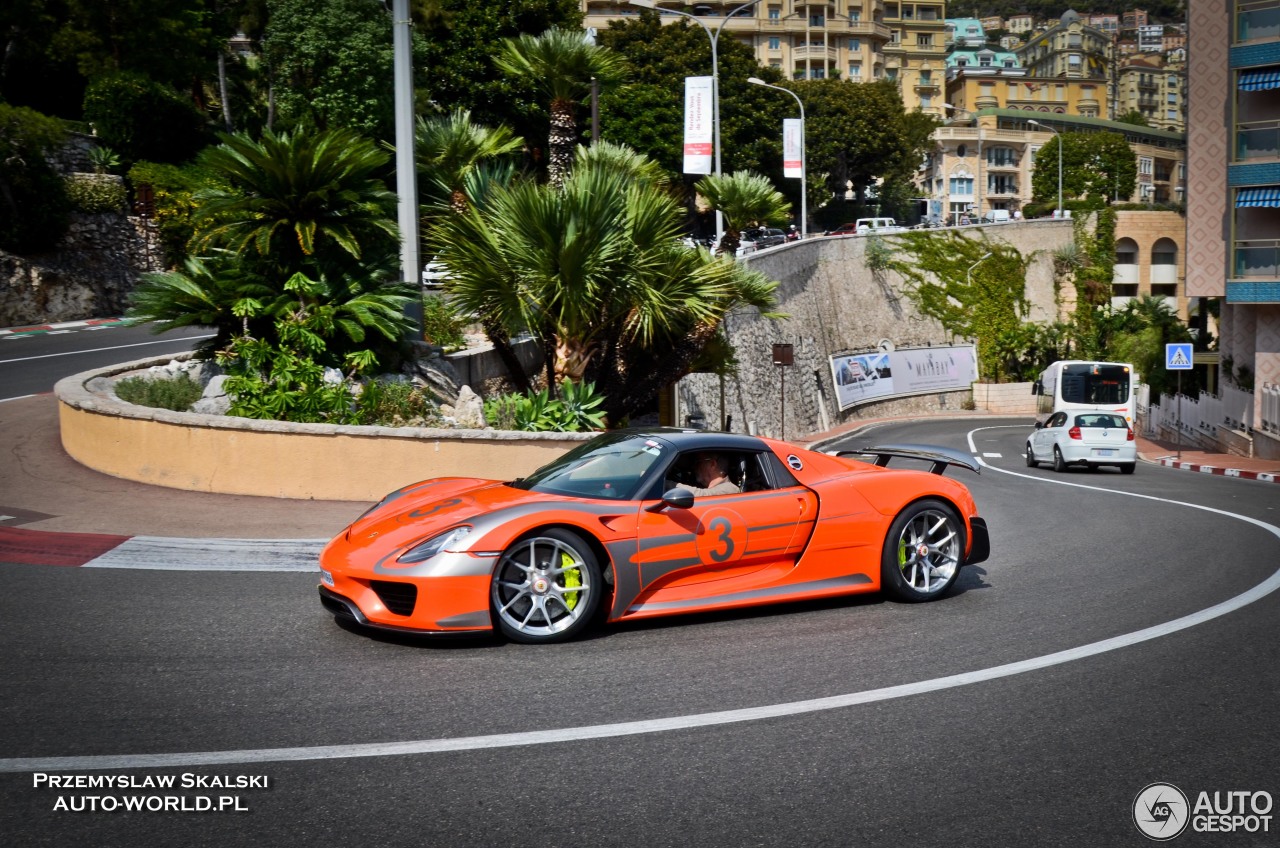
(1259, 80)
(1268, 196)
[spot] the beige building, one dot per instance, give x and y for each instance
(1151, 258)
(1149, 85)
(916, 55)
(1071, 50)
(1021, 24)
(984, 160)
(844, 38)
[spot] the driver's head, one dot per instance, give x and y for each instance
(710, 468)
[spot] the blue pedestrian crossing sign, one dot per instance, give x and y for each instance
(1177, 356)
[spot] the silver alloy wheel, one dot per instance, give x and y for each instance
(929, 551)
(542, 587)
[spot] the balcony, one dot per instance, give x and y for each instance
(1164, 275)
(1258, 140)
(815, 54)
(1257, 259)
(1124, 275)
(1257, 21)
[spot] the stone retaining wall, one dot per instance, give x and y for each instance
(213, 453)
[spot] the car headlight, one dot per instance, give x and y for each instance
(441, 541)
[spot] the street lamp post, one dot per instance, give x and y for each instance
(1035, 123)
(804, 206)
(715, 77)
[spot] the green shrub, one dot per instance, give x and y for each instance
(171, 187)
(143, 119)
(395, 405)
(175, 393)
(441, 324)
(576, 410)
(33, 201)
(94, 193)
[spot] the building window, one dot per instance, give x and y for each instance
(962, 185)
(855, 71)
(1146, 166)
(775, 43)
(895, 36)
(924, 40)
(892, 74)
(925, 101)
(855, 44)
(775, 14)
(926, 77)
(816, 19)
(855, 15)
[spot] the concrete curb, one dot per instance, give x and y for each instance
(1262, 476)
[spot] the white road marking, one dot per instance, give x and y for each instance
(160, 553)
(632, 728)
(101, 349)
(993, 455)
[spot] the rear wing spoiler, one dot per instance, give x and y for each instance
(938, 456)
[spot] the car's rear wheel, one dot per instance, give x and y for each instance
(546, 588)
(1031, 458)
(1059, 464)
(923, 551)
(1127, 468)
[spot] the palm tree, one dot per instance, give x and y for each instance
(453, 151)
(562, 65)
(301, 199)
(747, 200)
(596, 272)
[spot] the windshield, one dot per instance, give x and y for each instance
(1095, 384)
(611, 466)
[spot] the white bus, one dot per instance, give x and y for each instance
(1087, 386)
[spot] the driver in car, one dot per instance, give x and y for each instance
(712, 473)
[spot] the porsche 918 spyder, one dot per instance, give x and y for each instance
(622, 527)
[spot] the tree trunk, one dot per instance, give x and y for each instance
(506, 352)
(563, 136)
(222, 90)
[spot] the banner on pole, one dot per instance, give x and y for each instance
(793, 148)
(698, 129)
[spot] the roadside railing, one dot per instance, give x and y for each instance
(1271, 407)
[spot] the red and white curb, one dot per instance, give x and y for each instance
(1264, 476)
(60, 327)
(157, 553)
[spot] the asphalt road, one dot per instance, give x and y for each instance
(836, 723)
(32, 364)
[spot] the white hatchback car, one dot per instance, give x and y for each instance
(1091, 439)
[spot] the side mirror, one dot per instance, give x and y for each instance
(678, 498)
(1039, 425)
(1037, 388)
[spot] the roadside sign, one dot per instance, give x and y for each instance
(1177, 356)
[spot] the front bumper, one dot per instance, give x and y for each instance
(347, 609)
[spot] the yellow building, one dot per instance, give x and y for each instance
(971, 87)
(1149, 85)
(1072, 49)
(916, 55)
(818, 40)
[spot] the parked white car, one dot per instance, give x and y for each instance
(1091, 439)
(879, 226)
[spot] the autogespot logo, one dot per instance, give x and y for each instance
(1160, 811)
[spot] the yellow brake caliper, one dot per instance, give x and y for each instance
(572, 580)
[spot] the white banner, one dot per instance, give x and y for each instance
(862, 377)
(793, 148)
(698, 129)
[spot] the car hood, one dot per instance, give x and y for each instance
(418, 512)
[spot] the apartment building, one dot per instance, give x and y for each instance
(1072, 50)
(1233, 207)
(1021, 24)
(1155, 88)
(916, 55)
(984, 159)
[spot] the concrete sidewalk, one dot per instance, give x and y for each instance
(55, 511)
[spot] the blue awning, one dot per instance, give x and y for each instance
(1259, 80)
(1268, 196)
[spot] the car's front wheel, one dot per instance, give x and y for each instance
(923, 551)
(1031, 457)
(546, 588)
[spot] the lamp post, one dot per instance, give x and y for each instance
(804, 206)
(968, 275)
(715, 76)
(1060, 213)
(406, 171)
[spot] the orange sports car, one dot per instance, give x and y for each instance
(647, 522)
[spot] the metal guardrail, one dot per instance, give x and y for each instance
(1271, 407)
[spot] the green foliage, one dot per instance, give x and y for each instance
(441, 323)
(95, 193)
(103, 159)
(286, 380)
(144, 119)
(175, 393)
(577, 409)
(331, 65)
(747, 200)
(451, 150)
(33, 199)
(172, 191)
(975, 289)
(395, 404)
(596, 273)
(1095, 166)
